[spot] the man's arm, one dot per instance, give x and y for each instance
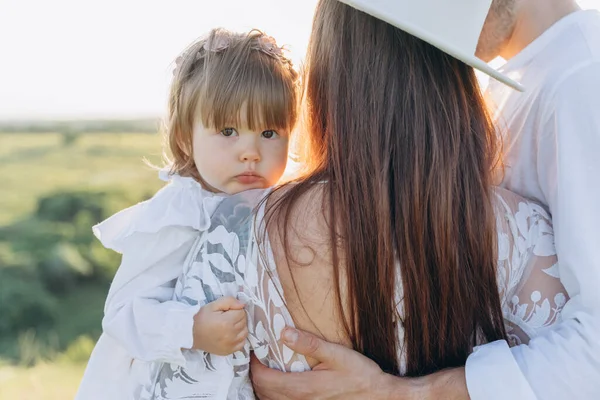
(569, 174)
(346, 374)
(568, 162)
(563, 362)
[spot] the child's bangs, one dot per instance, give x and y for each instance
(255, 94)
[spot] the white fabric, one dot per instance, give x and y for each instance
(164, 254)
(229, 261)
(452, 26)
(183, 202)
(484, 361)
(141, 320)
(552, 151)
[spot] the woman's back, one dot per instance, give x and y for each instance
(248, 262)
(530, 291)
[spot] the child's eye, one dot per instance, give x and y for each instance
(227, 132)
(270, 134)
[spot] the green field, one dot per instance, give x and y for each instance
(42, 382)
(55, 275)
(35, 164)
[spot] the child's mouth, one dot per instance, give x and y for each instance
(249, 178)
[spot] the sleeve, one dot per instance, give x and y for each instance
(139, 312)
(565, 362)
(562, 362)
(556, 347)
(569, 174)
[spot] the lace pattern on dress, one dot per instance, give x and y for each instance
(530, 289)
(229, 263)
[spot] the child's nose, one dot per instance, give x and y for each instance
(250, 154)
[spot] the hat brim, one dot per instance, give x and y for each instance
(410, 27)
(486, 69)
(462, 56)
(467, 58)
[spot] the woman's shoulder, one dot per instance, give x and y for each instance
(181, 204)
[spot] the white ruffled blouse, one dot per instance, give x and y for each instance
(182, 202)
(141, 319)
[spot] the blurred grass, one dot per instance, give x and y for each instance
(52, 362)
(80, 314)
(47, 363)
(55, 381)
(35, 164)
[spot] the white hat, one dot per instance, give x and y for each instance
(452, 26)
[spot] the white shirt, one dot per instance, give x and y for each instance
(141, 319)
(552, 155)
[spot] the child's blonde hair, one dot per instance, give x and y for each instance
(217, 76)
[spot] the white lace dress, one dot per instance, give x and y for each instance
(225, 261)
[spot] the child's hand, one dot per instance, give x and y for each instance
(220, 327)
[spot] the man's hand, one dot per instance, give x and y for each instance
(220, 327)
(343, 373)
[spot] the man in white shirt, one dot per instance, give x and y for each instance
(552, 154)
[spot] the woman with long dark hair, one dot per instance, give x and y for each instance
(394, 241)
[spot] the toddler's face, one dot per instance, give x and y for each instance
(234, 158)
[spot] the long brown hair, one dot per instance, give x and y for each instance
(399, 131)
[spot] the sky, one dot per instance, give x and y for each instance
(114, 58)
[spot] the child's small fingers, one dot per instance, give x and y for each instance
(237, 329)
(239, 325)
(243, 317)
(234, 316)
(225, 304)
(238, 347)
(242, 335)
(216, 305)
(240, 344)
